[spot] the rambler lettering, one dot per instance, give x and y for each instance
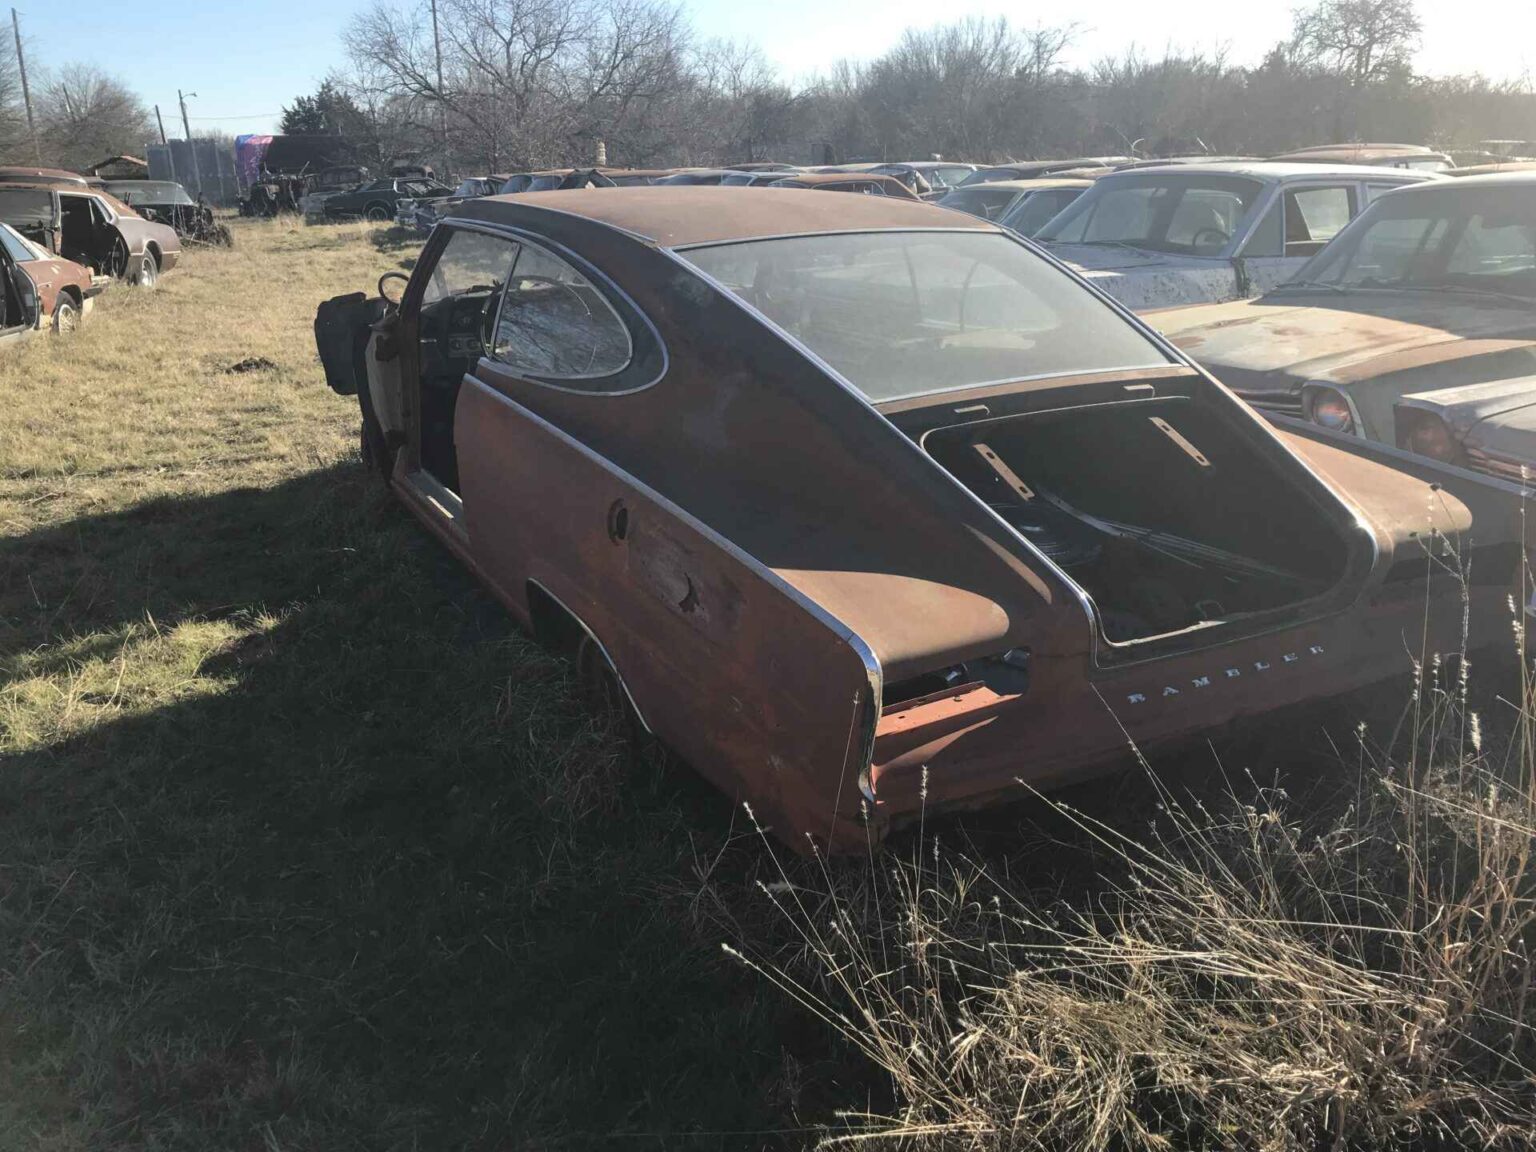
(1228, 673)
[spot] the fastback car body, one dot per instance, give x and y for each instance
(1204, 233)
(1429, 295)
(93, 229)
(869, 508)
(39, 289)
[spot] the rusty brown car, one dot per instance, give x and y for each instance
(865, 507)
(865, 183)
(93, 229)
(1432, 287)
(39, 289)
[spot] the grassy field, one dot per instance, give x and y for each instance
(301, 845)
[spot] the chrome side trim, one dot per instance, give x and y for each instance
(591, 635)
(873, 673)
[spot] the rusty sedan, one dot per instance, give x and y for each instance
(39, 289)
(865, 507)
(93, 229)
(1431, 290)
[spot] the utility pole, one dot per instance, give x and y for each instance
(442, 109)
(170, 153)
(186, 125)
(26, 93)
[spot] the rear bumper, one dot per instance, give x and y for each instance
(975, 747)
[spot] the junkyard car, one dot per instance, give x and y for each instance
(167, 202)
(862, 505)
(39, 289)
(376, 199)
(1430, 294)
(1034, 169)
(1203, 233)
(866, 183)
(1004, 200)
(927, 177)
(1414, 157)
(93, 229)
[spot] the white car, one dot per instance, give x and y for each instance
(1207, 233)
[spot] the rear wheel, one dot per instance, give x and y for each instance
(377, 212)
(146, 271)
(66, 315)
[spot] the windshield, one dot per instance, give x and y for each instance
(1469, 237)
(912, 313)
(1188, 215)
(980, 200)
(22, 250)
(26, 207)
(134, 192)
(1038, 209)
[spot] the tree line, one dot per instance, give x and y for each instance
(499, 85)
(495, 85)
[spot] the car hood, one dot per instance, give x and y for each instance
(1280, 341)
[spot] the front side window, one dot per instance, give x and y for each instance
(1195, 216)
(902, 314)
(555, 325)
(1314, 216)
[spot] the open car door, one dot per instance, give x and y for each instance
(755, 686)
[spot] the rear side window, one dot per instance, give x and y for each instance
(1314, 216)
(555, 325)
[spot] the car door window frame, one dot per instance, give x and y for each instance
(648, 358)
(1356, 206)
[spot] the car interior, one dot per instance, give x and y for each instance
(84, 235)
(18, 302)
(1164, 542)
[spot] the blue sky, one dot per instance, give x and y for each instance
(245, 61)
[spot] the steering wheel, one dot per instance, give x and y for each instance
(388, 276)
(1221, 237)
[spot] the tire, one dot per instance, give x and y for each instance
(66, 315)
(377, 212)
(146, 273)
(222, 236)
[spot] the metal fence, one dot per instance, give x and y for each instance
(213, 175)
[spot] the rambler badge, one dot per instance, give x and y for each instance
(1226, 674)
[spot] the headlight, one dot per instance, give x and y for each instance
(1424, 432)
(1328, 408)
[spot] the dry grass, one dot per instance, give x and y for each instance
(1255, 974)
(301, 845)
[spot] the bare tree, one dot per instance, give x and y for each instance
(1361, 40)
(85, 115)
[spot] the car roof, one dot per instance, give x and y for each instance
(1507, 167)
(1520, 178)
(678, 215)
(1272, 171)
(1031, 185)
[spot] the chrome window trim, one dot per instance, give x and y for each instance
(599, 280)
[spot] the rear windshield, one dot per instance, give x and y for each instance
(1192, 216)
(26, 207)
(903, 314)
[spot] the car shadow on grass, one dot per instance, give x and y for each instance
(337, 860)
